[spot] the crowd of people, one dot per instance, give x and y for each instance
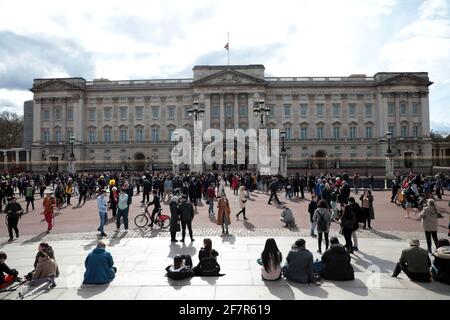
(331, 201)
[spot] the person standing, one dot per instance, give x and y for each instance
(211, 195)
(156, 206)
(29, 195)
(223, 214)
(430, 216)
(347, 225)
(322, 218)
(102, 207)
(146, 189)
(186, 212)
(242, 202)
(273, 192)
(113, 199)
(83, 187)
(367, 207)
(69, 191)
(168, 187)
(359, 217)
(48, 204)
(13, 212)
(174, 218)
(122, 209)
(311, 209)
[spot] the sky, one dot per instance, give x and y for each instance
(150, 39)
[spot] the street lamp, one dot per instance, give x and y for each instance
(72, 156)
(196, 111)
(283, 154)
(389, 137)
(261, 110)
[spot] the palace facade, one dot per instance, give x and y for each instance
(330, 122)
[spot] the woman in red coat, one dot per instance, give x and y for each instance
(235, 184)
(48, 205)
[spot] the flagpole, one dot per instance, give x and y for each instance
(228, 36)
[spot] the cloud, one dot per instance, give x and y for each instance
(23, 58)
(441, 127)
(12, 100)
(424, 45)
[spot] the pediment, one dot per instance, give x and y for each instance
(229, 77)
(405, 79)
(55, 85)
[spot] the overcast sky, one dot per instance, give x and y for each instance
(164, 39)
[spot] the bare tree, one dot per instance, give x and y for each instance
(11, 130)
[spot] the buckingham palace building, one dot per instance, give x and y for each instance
(329, 122)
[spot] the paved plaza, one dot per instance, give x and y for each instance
(141, 255)
(141, 263)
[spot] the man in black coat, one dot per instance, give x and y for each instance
(344, 194)
(174, 217)
(273, 192)
(186, 212)
(157, 205)
(147, 187)
(348, 224)
(336, 263)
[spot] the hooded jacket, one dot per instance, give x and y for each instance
(99, 267)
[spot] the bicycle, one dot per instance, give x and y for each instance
(161, 220)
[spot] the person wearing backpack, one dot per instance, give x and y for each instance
(207, 257)
(322, 217)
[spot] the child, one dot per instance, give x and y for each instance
(11, 274)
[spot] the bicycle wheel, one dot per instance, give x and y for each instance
(141, 220)
(163, 221)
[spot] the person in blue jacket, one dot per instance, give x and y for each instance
(99, 266)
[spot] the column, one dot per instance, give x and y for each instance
(28, 160)
(236, 111)
(5, 160)
(381, 109)
(17, 158)
(250, 115)
(37, 110)
(425, 108)
(222, 112)
(207, 117)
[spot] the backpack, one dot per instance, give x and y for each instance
(209, 267)
(322, 223)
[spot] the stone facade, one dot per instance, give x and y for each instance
(330, 121)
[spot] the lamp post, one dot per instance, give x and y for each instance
(72, 156)
(389, 160)
(283, 154)
(262, 111)
(195, 112)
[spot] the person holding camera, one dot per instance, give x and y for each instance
(13, 212)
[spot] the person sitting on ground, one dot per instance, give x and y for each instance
(288, 217)
(208, 265)
(181, 268)
(46, 269)
(440, 270)
(99, 266)
(336, 263)
(11, 274)
(271, 259)
(415, 263)
(299, 266)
